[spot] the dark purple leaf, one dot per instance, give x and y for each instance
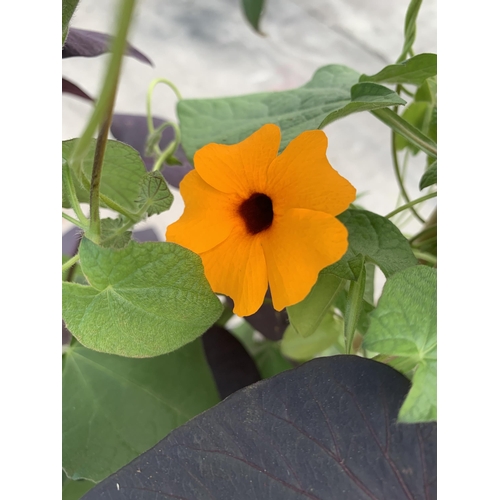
(133, 130)
(86, 43)
(325, 430)
(71, 88)
(271, 323)
(143, 235)
(71, 240)
(232, 367)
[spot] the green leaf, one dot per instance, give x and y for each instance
(116, 408)
(328, 334)
(144, 300)
(421, 403)
(253, 10)
(427, 91)
(113, 235)
(365, 97)
(68, 9)
(306, 316)
(154, 193)
(74, 490)
(353, 309)
(414, 71)
(122, 174)
(378, 239)
(430, 176)
(404, 325)
(325, 98)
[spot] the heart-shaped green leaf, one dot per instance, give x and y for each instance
(115, 408)
(404, 325)
(327, 97)
(143, 300)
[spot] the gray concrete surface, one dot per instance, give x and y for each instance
(207, 49)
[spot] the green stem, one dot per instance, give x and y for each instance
(170, 149)
(353, 308)
(431, 259)
(407, 130)
(410, 29)
(70, 262)
(74, 221)
(149, 98)
(411, 204)
(399, 177)
(69, 188)
(118, 47)
(94, 231)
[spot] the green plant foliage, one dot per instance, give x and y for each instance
(122, 174)
(404, 325)
(74, 490)
(328, 334)
(154, 194)
(430, 176)
(253, 11)
(68, 9)
(113, 234)
(115, 408)
(420, 115)
(327, 97)
(143, 300)
(378, 239)
(414, 71)
(410, 29)
(306, 316)
(353, 309)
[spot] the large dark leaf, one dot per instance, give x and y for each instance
(133, 130)
(326, 430)
(86, 43)
(232, 367)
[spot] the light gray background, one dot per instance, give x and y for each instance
(207, 49)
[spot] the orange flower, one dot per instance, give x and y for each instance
(259, 219)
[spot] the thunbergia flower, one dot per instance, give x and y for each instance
(258, 219)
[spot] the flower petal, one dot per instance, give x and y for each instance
(297, 246)
(302, 177)
(237, 268)
(209, 216)
(240, 168)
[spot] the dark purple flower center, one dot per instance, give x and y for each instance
(257, 212)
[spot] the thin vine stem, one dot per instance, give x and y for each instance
(407, 130)
(399, 177)
(107, 98)
(170, 149)
(70, 191)
(149, 98)
(70, 262)
(74, 221)
(118, 47)
(411, 204)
